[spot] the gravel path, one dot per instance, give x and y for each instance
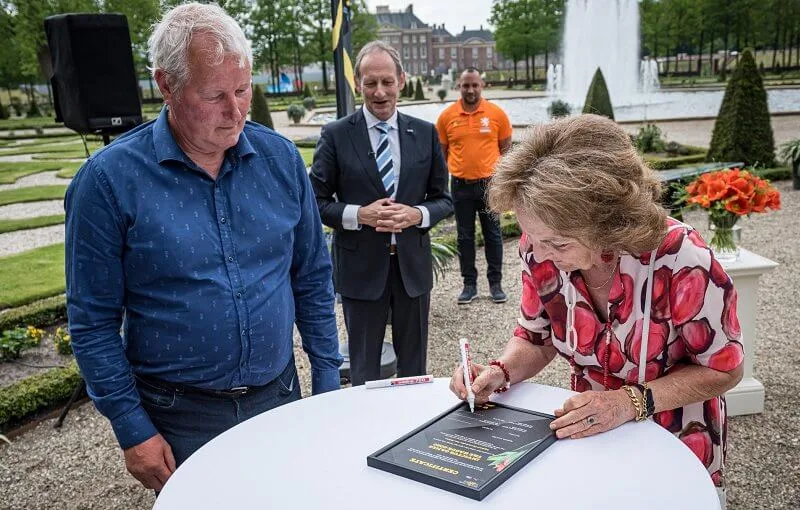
(31, 209)
(80, 467)
(37, 179)
(21, 240)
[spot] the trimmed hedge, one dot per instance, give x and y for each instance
(780, 173)
(670, 163)
(508, 229)
(597, 99)
(39, 313)
(37, 392)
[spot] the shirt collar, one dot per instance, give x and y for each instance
(373, 120)
(168, 149)
(462, 111)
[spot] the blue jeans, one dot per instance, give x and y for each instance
(189, 420)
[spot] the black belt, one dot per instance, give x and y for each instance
(459, 180)
(392, 249)
(183, 389)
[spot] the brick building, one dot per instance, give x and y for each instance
(428, 50)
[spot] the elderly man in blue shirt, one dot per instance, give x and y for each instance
(199, 235)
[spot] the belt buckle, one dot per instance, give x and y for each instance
(238, 391)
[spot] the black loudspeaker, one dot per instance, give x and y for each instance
(94, 81)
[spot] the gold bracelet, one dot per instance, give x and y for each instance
(636, 402)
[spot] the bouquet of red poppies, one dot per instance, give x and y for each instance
(728, 195)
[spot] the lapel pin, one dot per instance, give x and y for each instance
(410, 131)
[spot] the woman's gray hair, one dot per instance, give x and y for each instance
(372, 47)
(169, 43)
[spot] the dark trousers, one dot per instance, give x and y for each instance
(366, 327)
(469, 198)
(188, 421)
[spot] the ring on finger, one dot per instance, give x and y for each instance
(590, 420)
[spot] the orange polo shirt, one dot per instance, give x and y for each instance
(472, 138)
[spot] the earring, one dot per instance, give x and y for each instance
(607, 256)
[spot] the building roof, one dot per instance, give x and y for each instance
(406, 20)
(441, 31)
(486, 35)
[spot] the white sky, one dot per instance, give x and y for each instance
(453, 13)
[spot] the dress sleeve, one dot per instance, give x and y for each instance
(703, 306)
(533, 324)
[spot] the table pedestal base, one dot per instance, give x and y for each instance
(747, 397)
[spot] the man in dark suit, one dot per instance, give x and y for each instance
(381, 182)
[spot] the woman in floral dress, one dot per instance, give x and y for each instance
(595, 243)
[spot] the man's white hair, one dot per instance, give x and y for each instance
(169, 43)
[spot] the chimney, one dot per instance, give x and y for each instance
(464, 29)
(382, 9)
(410, 9)
(481, 29)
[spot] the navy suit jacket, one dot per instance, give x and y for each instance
(345, 172)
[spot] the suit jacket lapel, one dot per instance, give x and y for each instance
(408, 146)
(360, 139)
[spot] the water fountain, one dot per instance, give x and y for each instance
(648, 76)
(555, 79)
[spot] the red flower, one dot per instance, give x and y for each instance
(657, 340)
(730, 320)
(548, 278)
(697, 335)
(727, 358)
(660, 310)
(698, 440)
(616, 359)
(531, 304)
(687, 293)
(620, 298)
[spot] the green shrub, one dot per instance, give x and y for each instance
(442, 93)
(307, 90)
(559, 108)
(260, 109)
(742, 131)
(789, 152)
(670, 163)
(3, 112)
(674, 149)
(62, 341)
(597, 99)
(419, 94)
(309, 103)
(41, 313)
(780, 173)
(37, 392)
(34, 110)
(410, 90)
(295, 112)
(649, 139)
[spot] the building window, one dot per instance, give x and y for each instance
(488, 54)
(405, 39)
(474, 53)
(422, 39)
(423, 52)
(414, 39)
(423, 67)
(415, 68)
(405, 52)
(441, 53)
(396, 39)
(414, 52)
(454, 53)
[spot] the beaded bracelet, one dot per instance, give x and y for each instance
(502, 366)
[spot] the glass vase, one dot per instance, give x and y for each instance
(725, 241)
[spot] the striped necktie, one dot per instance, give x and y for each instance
(383, 156)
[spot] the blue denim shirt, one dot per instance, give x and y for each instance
(209, 275)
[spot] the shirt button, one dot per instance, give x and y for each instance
(239, 295)
(222, 220)
(230, 259)
(244, 332)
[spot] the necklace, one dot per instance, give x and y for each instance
(610, 276)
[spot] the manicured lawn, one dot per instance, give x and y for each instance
(29, 223)
(32, 194)
(69, 172)
(11, 171)
(307, 154)
(61, 150)
(28, 123)
(31, 275)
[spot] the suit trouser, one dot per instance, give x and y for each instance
(366, 327)
(469, 198)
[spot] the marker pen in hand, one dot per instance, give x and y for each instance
(463, 345)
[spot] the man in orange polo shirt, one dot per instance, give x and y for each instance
(474, 133)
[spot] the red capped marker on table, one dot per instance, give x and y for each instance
(466, 363)
(399, 381)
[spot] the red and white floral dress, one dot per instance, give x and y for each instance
(692, 322)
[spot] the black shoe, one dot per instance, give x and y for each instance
(467, 295)
(498, 296)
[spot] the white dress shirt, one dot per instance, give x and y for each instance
(350, 214)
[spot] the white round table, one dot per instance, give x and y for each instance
(311, 454)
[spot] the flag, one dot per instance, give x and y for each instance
(342, 58)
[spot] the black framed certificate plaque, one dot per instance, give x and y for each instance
(469, 454)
